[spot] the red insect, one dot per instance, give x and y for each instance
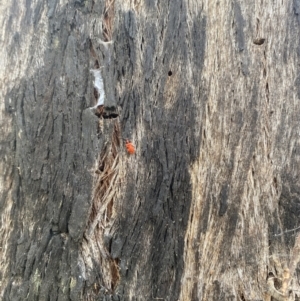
(130, 147)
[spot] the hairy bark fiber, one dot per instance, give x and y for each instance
(208, 206)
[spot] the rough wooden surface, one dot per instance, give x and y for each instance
(208, 92)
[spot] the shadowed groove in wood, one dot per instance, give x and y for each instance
(108, 20)
(106, 177)
(106, 181)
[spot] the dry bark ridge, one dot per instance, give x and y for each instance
(208, 206)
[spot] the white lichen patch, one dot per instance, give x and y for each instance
(98, 84)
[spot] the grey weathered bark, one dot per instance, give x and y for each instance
(208, 91)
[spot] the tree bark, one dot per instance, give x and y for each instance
(208, 206)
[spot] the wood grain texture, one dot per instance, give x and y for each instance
(208, 93)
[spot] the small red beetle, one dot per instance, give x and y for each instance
(130, 147)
